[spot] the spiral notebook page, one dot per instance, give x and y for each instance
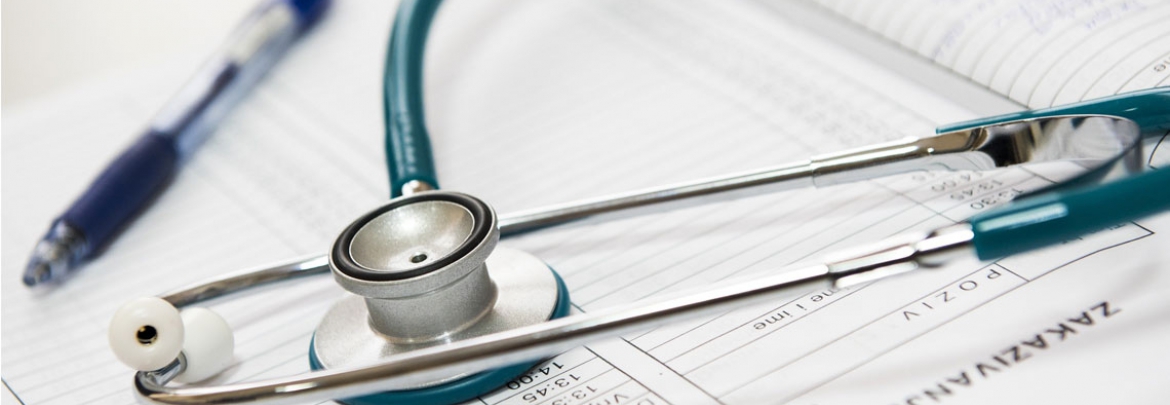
(532, 103)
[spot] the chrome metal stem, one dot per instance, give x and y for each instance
(415, 186)
(553, 337)
(853, 165)
(1092, 141)
(1097, 143)
(168, 373)
(665, 198)
(292, 269)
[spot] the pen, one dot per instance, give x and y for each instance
(143, 170)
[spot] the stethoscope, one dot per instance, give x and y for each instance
(439, 314)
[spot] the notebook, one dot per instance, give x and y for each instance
(533, 103)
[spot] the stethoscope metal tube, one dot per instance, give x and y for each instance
(894, 256)
(553, 337)
(1052, 139)
(979, 148)
(1137, 196)
(297, 268)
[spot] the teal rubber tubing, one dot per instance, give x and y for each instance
(408, 146)
(1150, 109)
(1056, 217)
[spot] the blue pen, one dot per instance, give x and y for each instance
(132, 180)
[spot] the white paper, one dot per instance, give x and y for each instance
(1038, 52)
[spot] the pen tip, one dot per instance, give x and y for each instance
(36, 274)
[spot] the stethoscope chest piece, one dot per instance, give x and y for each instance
(425, 271)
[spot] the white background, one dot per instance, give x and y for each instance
(51, 45)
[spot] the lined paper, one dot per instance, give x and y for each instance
(533, 103)
(1037, 52)
(278, 179)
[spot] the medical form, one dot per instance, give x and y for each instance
(535, 103)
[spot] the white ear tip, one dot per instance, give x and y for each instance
(207, 344)
(146, 333)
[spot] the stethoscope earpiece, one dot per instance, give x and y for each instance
(146, 333)
(149, 333)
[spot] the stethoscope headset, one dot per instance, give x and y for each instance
(440, 314)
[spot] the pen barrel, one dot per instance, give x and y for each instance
(1054, 218)
(308, 11)
(122, 190)
(212, 93)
